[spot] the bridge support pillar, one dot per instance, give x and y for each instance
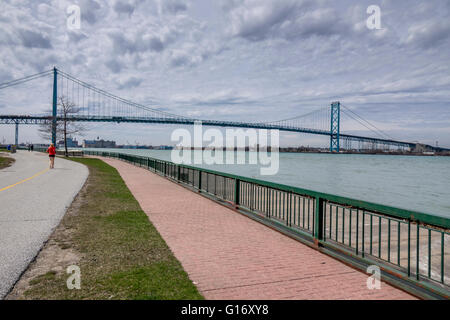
(335, 126)
(55, 103)
(16, 141)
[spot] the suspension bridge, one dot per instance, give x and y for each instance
(96, 105)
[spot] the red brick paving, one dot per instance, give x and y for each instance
(229, 256)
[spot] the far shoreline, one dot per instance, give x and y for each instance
(289, 150)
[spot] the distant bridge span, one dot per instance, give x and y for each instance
(33, 120)
(97, 105)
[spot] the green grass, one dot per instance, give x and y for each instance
(122, 254)
(5, 162)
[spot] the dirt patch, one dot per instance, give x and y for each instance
(5, 160)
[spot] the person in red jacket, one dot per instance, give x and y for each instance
(52, 153)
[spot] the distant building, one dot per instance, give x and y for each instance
(71, 143)
(40, 145)
(98, 144)
(165, 147)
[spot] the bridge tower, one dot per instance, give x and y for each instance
(335, 126)
(16, 140)
(55, 103)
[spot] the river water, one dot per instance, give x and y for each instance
(409, 182)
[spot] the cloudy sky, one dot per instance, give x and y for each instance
(252, 60)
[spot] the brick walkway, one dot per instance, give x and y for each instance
(229, 256)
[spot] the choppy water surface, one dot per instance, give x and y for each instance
(410, 182)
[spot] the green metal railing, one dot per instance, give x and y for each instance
(409, 246)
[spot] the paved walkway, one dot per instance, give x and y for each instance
(33, 200)
(229, 256)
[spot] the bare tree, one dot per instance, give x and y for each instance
(64, 126)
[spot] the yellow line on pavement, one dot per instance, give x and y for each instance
(24, 180)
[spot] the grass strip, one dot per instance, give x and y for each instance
(121, 254)
(5, 162)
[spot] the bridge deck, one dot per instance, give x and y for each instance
(229, 256)
(35, 120)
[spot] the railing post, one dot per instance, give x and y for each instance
(409, 247)
(236, 192)
(199, 181)
(319, 220)
(288, 218)
(178, 173)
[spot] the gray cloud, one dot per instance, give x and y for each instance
(430, 34)
(288, 19)
(90, 11)
(126, 7)
(6, 39)
(79, 59)
(130, 83)
(5, 75)
(155, 44)
(114, 65)
(33, 39)
(155, 40)
(76, 36)
(180, 59)
(173, 6)
(123, 44)
(195, 55)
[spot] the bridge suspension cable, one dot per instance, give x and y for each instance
(98, 102)
(352, 114)
(317, 119)
(94, 102)
(25, 79)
